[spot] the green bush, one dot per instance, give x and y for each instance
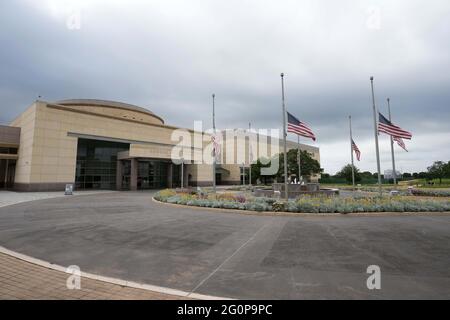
(279, 206)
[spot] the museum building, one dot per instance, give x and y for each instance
(97, 144)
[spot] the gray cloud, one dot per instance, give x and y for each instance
(170, 56)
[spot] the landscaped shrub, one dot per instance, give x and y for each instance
(307, 204)
(240, 198)
(279, 206)
(225, 197)
(202, 194)
(165, 194)
(258, 206)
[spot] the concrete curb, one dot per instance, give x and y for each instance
(120, 282)
(304, 214)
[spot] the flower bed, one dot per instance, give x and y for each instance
(305, 204)
(404, 192)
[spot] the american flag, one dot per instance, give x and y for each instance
(357, 152)
(400, 142)
(384, 125)
(216, 145)
(300, 128)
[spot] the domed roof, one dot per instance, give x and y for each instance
(106, 103)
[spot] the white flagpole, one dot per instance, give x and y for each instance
(214, 150)
(394, 173)
(377, 148)
(286, 192)
(351, 152)
(182, 174)
(250, 156)
(299, 161)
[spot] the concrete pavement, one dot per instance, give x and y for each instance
(8, 198)
(127, 236)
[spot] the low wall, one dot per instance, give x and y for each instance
(295, 191)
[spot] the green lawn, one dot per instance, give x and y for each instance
(418, 183)
(424, 183)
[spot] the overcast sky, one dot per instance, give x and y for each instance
(170, 56)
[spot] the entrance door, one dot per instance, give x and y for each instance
(218, 179)
(126, 174)
(11, 174)
(2, 174)
(7, 173)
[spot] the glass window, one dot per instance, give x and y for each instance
(97, 164)
(4, 150)
(152, 174)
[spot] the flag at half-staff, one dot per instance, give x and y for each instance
(386, 126)
(299, 128)
(356, 150)
(400, 142)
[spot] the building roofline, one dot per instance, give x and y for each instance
(107, 104)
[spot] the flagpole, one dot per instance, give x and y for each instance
(351, 152)
(286, 193)
(182, 174)
(249, 155)
(375, 122)
(299, 161)
(394, 173)
(214, 151)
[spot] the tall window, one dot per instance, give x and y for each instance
(152, 174)
(97, 164)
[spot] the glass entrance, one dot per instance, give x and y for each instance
(97, 164)
(152, 175)
(7, 173)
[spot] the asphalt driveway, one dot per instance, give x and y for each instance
(126, 235)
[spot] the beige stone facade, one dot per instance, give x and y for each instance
(50, 135)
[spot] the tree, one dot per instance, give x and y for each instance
(366, 175)
(326, 175)
(309, 166)
(346, 173)
(437, 171)
(256, 171)
(422, 175)
(447, 170)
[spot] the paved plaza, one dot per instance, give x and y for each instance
(128, 236)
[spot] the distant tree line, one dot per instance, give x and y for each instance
(438, 170)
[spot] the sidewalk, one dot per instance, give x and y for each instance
(26, 281)
(8, 198)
